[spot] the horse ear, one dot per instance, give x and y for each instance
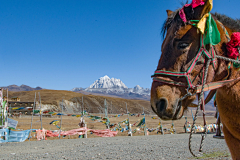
(206, 8)
(169, 12)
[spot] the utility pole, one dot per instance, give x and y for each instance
(40, 110)
(145, 129)
(106, 113)
(61, 121)
(6, 123)
(82, 107)
(84, 125)
(1, 100)
(32, 117)
(111, 108)
(129, 125)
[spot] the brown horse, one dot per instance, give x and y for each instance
(179, 49)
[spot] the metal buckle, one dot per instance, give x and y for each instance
(188, 94)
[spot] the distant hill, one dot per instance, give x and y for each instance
(92, 103)
(23, 87)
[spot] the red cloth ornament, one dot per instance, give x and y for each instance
(194, 4)
(233, 44)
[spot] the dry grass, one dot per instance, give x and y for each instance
(70, 122)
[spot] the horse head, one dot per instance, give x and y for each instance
(181, 66)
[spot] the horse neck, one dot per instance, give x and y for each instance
(232, 89)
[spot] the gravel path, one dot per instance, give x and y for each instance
(138, 147)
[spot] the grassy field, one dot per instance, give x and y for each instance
(69, 122)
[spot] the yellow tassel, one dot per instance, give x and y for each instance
(202, 23)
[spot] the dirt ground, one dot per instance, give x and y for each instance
(69, 122)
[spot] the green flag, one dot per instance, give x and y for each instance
(212, 35)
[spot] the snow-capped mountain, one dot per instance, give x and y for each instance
(106, 82)
(140, 90)
(76, 89)
(115, 87)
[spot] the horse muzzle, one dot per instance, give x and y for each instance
(167, 111)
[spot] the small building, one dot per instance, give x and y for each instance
(15, 99)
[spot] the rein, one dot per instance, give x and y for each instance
(160, 76)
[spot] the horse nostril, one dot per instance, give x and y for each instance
(162, 105)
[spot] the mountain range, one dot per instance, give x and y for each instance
(106, 86)
(115, 87)
(20, 88)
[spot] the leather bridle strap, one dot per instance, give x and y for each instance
(163, 80)
(215, 85)
(198, 88)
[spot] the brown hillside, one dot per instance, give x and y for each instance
(47, 96)
(92, 103)
(95, 104)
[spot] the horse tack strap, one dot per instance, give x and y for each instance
(215, 85)
(163, 80)
(171, 73)
(207, 87)
(210, 55)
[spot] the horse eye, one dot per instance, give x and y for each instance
(183, 45)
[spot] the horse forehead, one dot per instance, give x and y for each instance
(183, 31)
(173, 34)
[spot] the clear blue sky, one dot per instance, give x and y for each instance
(62, 44)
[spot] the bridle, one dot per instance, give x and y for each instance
(201, 53)
(160, 76)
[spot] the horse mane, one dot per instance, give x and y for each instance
(169, 21)
(233, 24)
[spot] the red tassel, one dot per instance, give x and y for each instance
(233, 44)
